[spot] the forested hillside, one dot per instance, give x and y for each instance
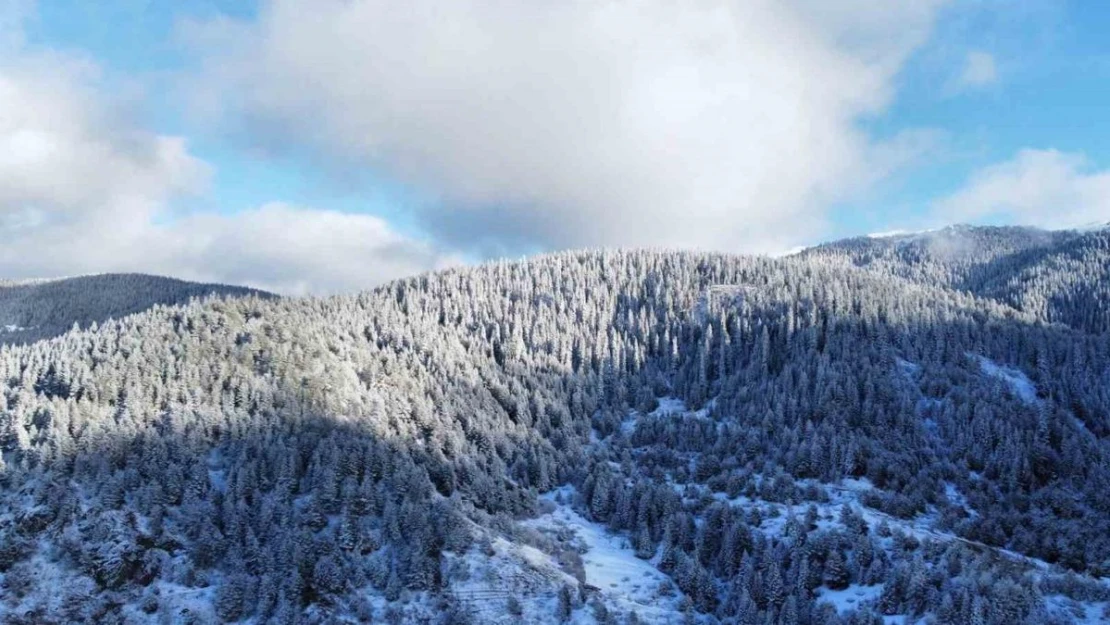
(874, 429)
(34, 310)
(1061, 276)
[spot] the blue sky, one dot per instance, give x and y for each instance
(328, 146)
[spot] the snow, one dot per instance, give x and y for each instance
(669, 405)
(665, 406)
(623, 580)
(910, 372)
(860, 484)
(514, 570)
(217, 476)
(957, 498)
(904, 234)
(673, 405)
(185, 602)
(888, 234)
(848, 493)
(1093, 226)
(1080, 612)
(47, 573)
(909, 369)
(1018, 382)
(850, 598)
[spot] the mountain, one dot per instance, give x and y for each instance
(1062, 276)
(34, 310)
(868, 430)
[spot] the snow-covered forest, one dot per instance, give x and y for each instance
(34, 310)
(908, 429)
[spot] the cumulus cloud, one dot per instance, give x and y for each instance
(295, 250)
(978, 71)
(83, 188)
(1045, 188)
(727, 125)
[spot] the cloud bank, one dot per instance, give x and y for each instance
(1045, 188)
(724, 125)
(85, 189)
(735, 126)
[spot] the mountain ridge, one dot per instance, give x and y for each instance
(587, 437)
(32, 310)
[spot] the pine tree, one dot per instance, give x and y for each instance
(836, 571)
(565, 605)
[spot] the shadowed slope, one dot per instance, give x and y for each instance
(40, 309)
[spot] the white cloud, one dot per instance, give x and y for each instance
(294, 250)
(729, 125)
(83, 188)
(64, 150)
(979, 71)
(1045, 188)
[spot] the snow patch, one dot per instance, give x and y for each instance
(622, 579)
(907, 368)
(1079, 612)
(848, 493)
(186, 603)
(858, 484)
(669, 405)
(217, 475)
(664, 406)
(1018, 382)
(957, 498)
(888, 234)
(850, 598)
(512, 570)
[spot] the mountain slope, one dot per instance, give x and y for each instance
(35, 310)
(1061, 275)
(771, 437)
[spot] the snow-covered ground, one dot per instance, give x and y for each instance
(513, 570)
(184, 603)
(1080, 612)
(856, 595)
(851, 598)
(674, 405)
(888, 234)
(665, 406)
(670, 405)
(1018, 382)
(848, 493)
(623, 580)
(47, 573)
(532, 575)
(957, 498)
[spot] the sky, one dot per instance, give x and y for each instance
(327, 146)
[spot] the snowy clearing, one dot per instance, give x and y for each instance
(851, 598)
(623, 580)
(1081, 612)
(1018, 382)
